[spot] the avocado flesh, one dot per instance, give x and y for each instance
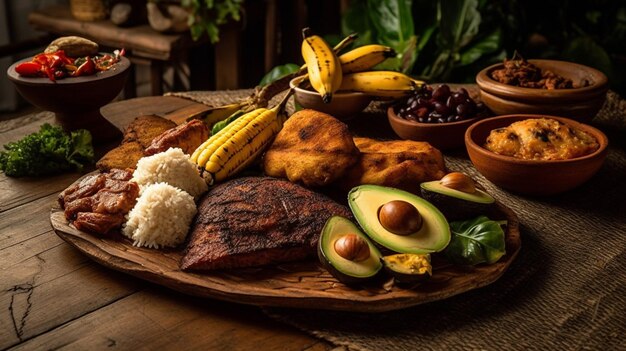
(455, 204)
(433, 236)
(345, 270)
(408, 268)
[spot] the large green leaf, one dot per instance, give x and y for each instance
(458, 23)
(488, 45)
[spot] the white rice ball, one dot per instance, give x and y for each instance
(172, 167)
(161, 217)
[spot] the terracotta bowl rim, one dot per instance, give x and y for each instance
(122, 66)
(602, 139)
(413, 124)
(485, 82)
(293, 83)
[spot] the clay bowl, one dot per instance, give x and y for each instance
(76, 101)
(344, 105)
(443, 136)
(529, 176)
(580, 104)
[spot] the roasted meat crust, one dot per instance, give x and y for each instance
(137, 137)
(400, 164)
(187, 136)
(99, 202)
(256, 221)
(313, 149)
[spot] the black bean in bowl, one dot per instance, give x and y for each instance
(439, 105)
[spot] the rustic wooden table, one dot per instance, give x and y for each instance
(52, 296)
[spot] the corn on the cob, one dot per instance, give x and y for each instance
(238, 144)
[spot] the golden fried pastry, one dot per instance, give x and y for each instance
(541, 139)
(313, 149)
(137, 137)
(402, 164)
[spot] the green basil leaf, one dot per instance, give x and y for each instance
(479, 240)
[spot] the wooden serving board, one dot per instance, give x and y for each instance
(298, 284)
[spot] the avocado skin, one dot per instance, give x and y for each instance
(342, 277)
(326, 260)
(453, 208)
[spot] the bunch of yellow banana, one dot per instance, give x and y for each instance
(328, 73)
(236, 146)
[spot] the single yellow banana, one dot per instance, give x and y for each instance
(385, 84)
(323, 66)
(364, 58)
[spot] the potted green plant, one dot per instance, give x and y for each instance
(200, 17)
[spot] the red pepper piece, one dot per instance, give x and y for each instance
(29, 69)
(87, 68)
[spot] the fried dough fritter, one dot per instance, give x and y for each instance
(402, 164)
(137, 137)
(145, 128)
(313, 149)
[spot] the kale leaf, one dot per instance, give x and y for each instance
(48, 151)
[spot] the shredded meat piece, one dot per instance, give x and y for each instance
(98, 222)
(99, 202)
(519, 72)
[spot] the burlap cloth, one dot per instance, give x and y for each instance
(565, 291)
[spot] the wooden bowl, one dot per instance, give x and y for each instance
(532, 177)
(76, 101)
(580, 104)
(344, 105)
(443, 136)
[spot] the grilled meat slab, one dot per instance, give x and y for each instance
(255, 221)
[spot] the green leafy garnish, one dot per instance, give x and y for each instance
(48, 151)
(478, 240)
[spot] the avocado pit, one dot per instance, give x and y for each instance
(400, 217)
(352, 247)
(459, 181)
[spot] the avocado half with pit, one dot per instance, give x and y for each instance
(433, 234)
(456, 204)
(341, 256)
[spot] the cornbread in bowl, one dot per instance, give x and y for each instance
(534, 176)
(580, 103)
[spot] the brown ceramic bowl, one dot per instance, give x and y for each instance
(580, 104)
(76, 101)
(530, 176)
(443, 136)
(344, 105)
